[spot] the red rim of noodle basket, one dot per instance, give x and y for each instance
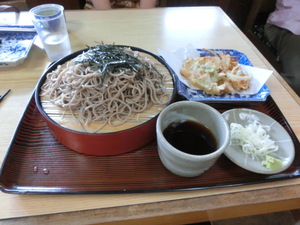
(102, 143)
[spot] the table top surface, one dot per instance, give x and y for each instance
(150, 29)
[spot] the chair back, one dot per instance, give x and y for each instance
(14, 5)
(9, 8)
(67, 4)
(259, 12)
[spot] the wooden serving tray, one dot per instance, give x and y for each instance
(37, 163)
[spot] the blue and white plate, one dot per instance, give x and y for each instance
(15, 47)
(199, 95)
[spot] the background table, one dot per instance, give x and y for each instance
(166, 28)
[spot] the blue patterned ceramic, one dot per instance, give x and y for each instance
(14, 47)
(198, 95)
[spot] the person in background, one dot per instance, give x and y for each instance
(109, 4)
(283, 32)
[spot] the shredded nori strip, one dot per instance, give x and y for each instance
(111, 58)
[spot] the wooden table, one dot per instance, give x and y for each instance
(166, 28)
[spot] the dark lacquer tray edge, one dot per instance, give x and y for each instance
(42, 190)
(11, 142)
(15, 189)
(59, 191)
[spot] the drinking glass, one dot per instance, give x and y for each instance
(50, 24)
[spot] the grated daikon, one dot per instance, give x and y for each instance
(253, 140)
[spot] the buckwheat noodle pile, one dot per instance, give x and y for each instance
(104, 90)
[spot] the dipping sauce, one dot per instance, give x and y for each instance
(190, 137)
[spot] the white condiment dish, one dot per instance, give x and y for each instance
(286, 148)
(179, 162)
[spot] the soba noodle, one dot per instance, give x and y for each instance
(110, 99)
